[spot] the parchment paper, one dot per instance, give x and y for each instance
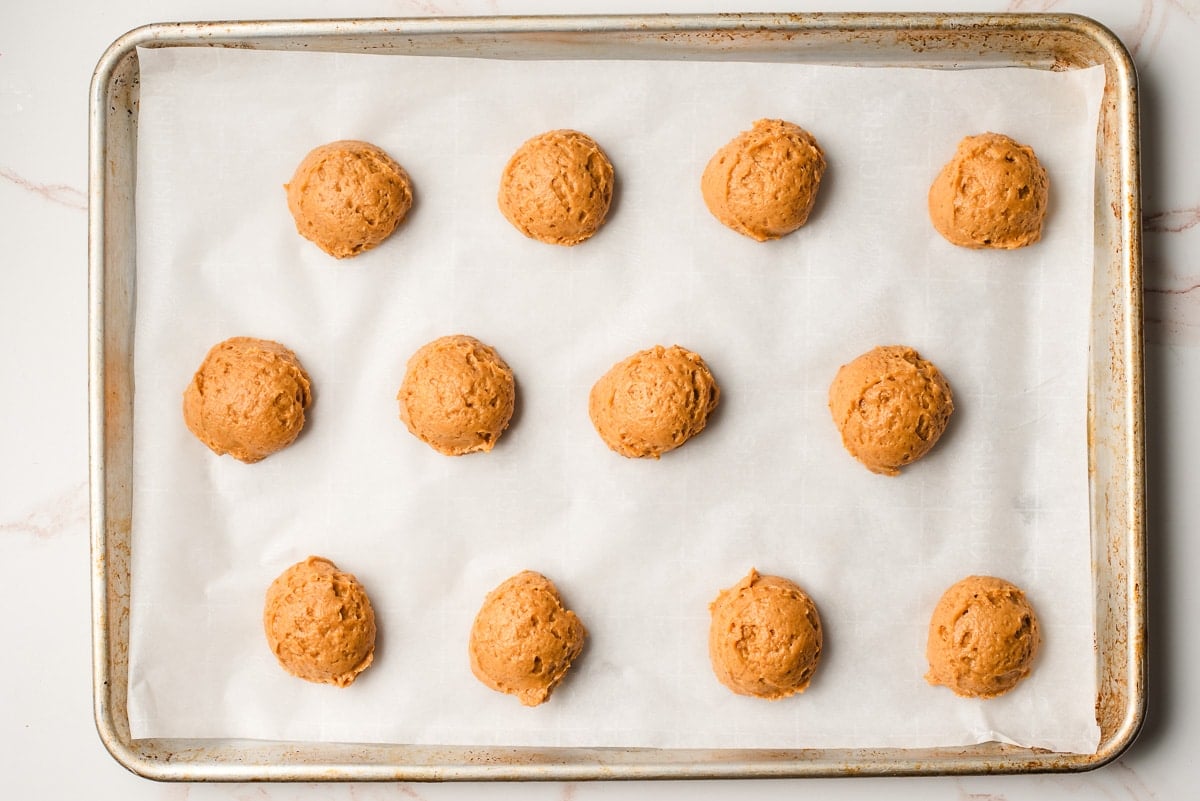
(638, 548)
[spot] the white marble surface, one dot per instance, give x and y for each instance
(48, 744)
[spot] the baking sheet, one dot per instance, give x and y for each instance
(637, 548)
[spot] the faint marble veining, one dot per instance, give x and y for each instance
(1173, 314)
(965, 795)
(1136, 38)
(1183, 290)
(1153, 19)
(431, 9)
(366, 792)
(67, 510)
(1032, 5)
(1171, 222)
(1172, 311)
(1190, 8)
(1132, 782)
(61, 194)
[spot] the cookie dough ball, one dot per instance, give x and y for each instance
(557, 188)
(763, 183)
(348, 196)
(247, 399)
(523, 641)
(891, 406)
(319, 623)
(983, 638)
(457, 395)
(765, 638)
(992, 194)
(653, 402)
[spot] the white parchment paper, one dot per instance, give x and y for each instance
(638, 548)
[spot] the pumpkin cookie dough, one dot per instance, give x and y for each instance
(764, 182)
(557, 188)
(765, 638)
(653, 402)
(247, 399)
(891, 406)
(348, 196)
(983, 638)
(992, 194)
(457, 395)
(319, 623)
(523, 641)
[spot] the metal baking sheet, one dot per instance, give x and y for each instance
(1116, 453)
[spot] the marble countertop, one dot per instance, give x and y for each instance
(48, 743)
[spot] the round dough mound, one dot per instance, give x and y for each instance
(983, 638)
(319, 623)
(348, 196)
(557, 188)
(457, 395)
(992, 194)
(764, 182)
(523, 640)
(765, 639)
(891, 406)
(247, 399)
(653, 402)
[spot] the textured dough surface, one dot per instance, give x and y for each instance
(653, 402)
(983, 637)
(319, 623)
(457, 395)
(348, 196)
(557, 187)
(992, 194)
(764, 182)
(765, 638)
(247, 399)
(523, 641)
(891, 406)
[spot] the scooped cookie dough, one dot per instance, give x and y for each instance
(457, 395)
(653, 402)
(247, 399)
(348, 196)
(557, 187)
(523, 641)
(765, 638)
(992, 194)
(319, 623)
(764, 182)
(891, 406)
(983, 638)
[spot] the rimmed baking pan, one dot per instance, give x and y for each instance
(1116, 452)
